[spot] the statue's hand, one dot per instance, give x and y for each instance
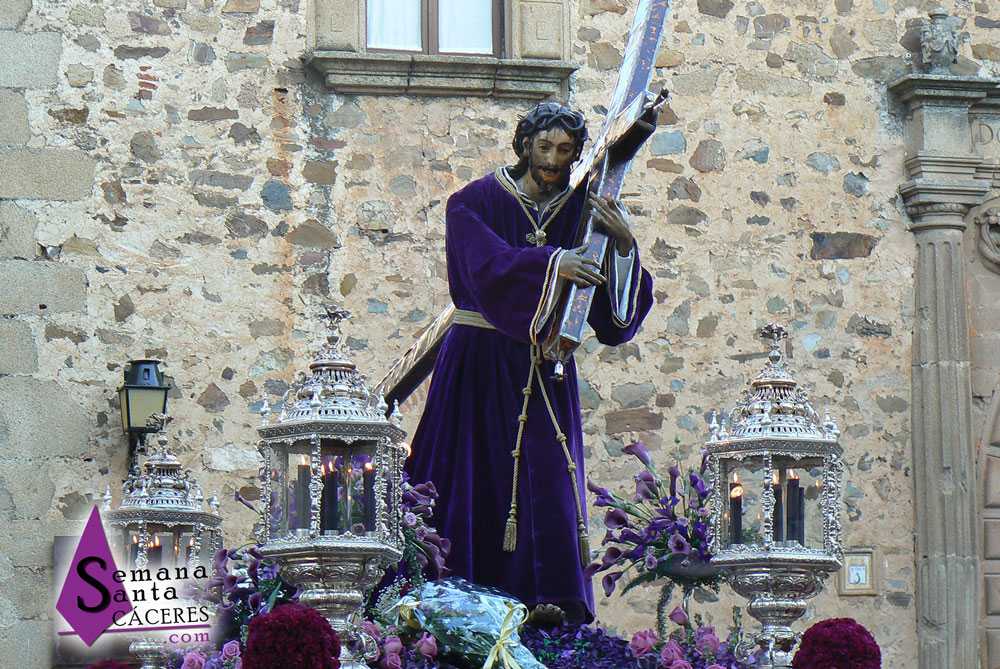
(612, 217)
(581, 271)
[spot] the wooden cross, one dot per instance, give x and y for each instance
(631, 119)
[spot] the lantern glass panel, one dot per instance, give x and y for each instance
(296, 490)
(348, 496)
(798, 519)
(741, 512)
(279, 495)
(143, 403)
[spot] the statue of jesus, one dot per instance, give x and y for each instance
(500, 439)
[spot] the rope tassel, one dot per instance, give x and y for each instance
(510, 532)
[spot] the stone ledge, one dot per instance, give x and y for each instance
(418, 74)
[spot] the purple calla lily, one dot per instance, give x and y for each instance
(616, 519)
(639, 450)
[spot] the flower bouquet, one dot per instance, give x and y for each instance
(662, 532)
(469, 621)
(692, 645)
(424, 552)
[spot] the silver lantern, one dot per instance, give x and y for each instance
(332, 476)
(776, 475)
(162, 520)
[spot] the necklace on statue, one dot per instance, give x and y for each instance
(537, 237)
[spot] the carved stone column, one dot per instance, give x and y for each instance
(944, 171)
(944, 460)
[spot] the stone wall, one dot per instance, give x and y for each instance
(175, 184)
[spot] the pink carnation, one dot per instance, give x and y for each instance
(193, 660)
(391, 661)
(679, 616)
(392, 645)
(643, 642)
(671, 651)
(680, 664)
(427, 646)
(231, 649)
(706, 641)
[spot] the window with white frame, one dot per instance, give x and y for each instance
(452, 27)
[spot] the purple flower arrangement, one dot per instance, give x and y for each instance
(662, 531)
(228, 658)
(403, 648)
(424, 550)
(692, 645)
(245, 586)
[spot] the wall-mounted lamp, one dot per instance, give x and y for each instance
(143, 395)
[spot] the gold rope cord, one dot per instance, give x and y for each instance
(510, 532)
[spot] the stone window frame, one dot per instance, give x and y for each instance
(537, 49)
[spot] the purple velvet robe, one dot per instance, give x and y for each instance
(468, 429)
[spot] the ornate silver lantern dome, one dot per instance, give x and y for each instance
(162, 520)
(776, 475)
(333, 466)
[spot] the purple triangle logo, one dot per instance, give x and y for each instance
(90, 597)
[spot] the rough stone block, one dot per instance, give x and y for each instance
(29, 60)
(18, 354)
(13, 118)
(633, 420)
(45, 174)
(28, 543)
(12, 12)
(40, 419)
(21, 641)
(17, 232)
(26, 490)
(41, 288)
(232, 458)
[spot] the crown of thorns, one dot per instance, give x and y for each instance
(548, 115)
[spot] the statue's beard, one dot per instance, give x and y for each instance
(549, 178)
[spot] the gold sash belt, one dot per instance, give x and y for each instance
(473, 318)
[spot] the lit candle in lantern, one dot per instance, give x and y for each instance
(778, 517)
(369, 495)
(796, 509)
(302, 494)
(134, 550)
(736, 510)
(328, 503)
(155, 552)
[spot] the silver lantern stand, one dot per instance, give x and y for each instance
(162, 499)
(332, 490)
(776, 476)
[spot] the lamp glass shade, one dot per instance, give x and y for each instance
(143, 403)
(143, 394)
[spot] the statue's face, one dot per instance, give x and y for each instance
(550, 156)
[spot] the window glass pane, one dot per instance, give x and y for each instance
(465, 26)
(394, 24)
